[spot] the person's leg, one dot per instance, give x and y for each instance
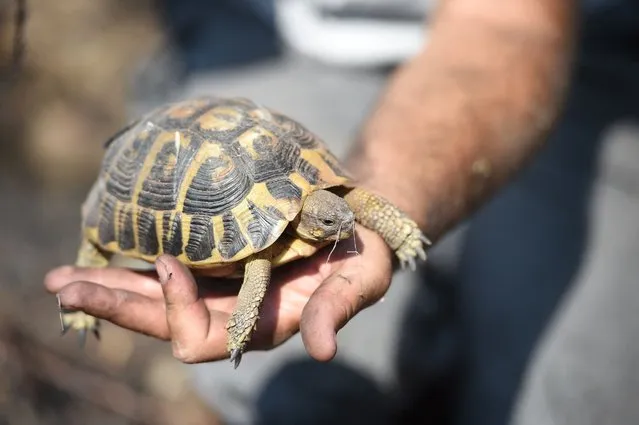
(520, 253)
(308, 392)
(586, 370)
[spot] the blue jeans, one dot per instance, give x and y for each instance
(213, 34)
(469, 335)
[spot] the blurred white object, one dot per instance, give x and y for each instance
(354, 32)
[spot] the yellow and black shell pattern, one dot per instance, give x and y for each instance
(208, 180)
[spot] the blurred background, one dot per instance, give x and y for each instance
(90, 66)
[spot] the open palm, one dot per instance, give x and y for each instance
(312, 295)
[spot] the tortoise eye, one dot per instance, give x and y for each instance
(328, 222)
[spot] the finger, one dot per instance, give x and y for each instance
(197, 334)
(123, 308)
(336, 301)
(114, 278)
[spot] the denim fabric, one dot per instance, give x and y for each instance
(212, 34)
(461, 361)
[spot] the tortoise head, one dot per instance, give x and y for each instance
(325, 216)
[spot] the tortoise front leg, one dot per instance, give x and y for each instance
(400, 232)
(88, 256)
(243, 320)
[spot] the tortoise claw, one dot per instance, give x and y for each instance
(236, 357)
(81, 322)
(82, 337)
(411, 263)
(424, 239)
(421, 253)
(412, 248)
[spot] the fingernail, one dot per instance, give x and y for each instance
(163, 271)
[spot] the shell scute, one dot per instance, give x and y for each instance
(172, 233)
(217, 186)
(262, 224)
(182, 115)
(123, 169)
(106, 225)
(125, 227)
(233, 240)
(148, 243)
(201, 240)
(284, 188)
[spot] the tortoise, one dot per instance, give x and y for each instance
(224, 181)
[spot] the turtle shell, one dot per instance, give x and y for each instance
(209, 181)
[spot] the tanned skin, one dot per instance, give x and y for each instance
(454, 124)
(458, 120)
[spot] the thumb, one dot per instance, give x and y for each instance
(187, 317)
(336, 301)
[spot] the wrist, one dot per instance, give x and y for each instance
(403, 189)
(396, 154)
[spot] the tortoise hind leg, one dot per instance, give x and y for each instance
(88, 256)
(400, 232)
(243, 320)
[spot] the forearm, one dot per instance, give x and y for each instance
(462, 117)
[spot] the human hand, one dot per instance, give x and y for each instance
(312, 296)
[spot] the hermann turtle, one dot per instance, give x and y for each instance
(219, 181)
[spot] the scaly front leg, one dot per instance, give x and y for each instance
(400, 232)
(243, 320)
(88, 256)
